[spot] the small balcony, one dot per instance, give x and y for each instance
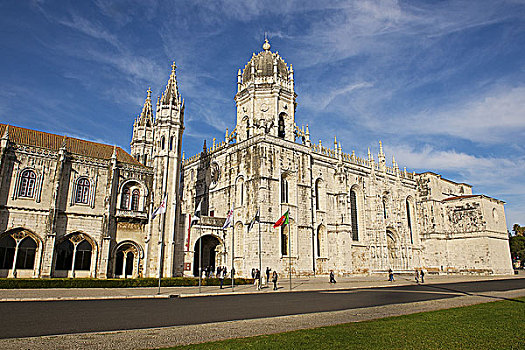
(131, 214)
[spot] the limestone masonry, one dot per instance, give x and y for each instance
(74, 208)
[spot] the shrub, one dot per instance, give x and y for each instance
(33, 283)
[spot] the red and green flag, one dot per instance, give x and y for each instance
(282, 221)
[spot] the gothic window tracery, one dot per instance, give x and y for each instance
(284, 190)
(284, 239)
(82, 191)
(124, 203)
(280, 126)
(409, 220)
(27, 184)
(354, 215)
(135, 196)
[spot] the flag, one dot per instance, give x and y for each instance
(282, 221)
(161, 209)
(197, 216)
(255, 218)
(228, 221)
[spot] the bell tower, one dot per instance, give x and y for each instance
(265, 97)
(142, 140)
(167, 147)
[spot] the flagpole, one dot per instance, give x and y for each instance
(260, 257)
(233, 246)
(200, 258)
(290, 251)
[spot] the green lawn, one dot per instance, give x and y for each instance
(496, 325)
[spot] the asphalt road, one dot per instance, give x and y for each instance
(25, 319)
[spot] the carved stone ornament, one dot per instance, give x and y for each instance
(215, 174)
(264, 107)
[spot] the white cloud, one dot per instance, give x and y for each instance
(490, 118)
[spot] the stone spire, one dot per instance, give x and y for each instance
(381, 156)
(171, 93)
(146, 116)
(5, 136)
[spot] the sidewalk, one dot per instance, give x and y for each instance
(298, 284)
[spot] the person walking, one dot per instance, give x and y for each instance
(332, 276)
(274, 280)
(258, 279)
(268, 270)
(417, 276)
(422, 276)
(220, 274)
(390, 275)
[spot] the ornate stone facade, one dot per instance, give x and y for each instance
(74, 208)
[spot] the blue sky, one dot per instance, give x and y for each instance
(441, 83)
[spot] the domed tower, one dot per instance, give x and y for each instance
(265, 97)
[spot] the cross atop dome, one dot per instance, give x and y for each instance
(266, 46)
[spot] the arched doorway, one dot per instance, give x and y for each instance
(209, 253)
(127, 260)
(73, 256)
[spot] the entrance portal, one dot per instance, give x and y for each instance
(393, 253)
(209, 246)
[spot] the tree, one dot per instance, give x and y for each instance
(517, 247)
(518, 230)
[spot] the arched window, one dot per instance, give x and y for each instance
(26, 254)
(162, 142)
(124, 203)
(7, 252)
(284, 239)
(284, 190)
(409, 220)
(384, 208)
(280, 126)
(145, 159)
(64, 255)
(239, 189)
(83, 256)
(171, 143)
(247, 129)
(82, 192)
(353, 213)
(27, 184)
(135, 199)
(317, 199)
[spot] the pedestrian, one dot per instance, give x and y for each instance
(257, 279)
(332, 276)
(390, 275)
(220, 274)
(268, 270)
(422, 276)
(253, 273)
(417, 276)
(274, 280)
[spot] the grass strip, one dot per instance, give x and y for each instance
(494, 325)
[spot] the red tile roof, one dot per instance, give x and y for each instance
(461, 197)
(73, 145)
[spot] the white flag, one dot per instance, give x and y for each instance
(228, 221)
(197, 216)
(161, 209)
